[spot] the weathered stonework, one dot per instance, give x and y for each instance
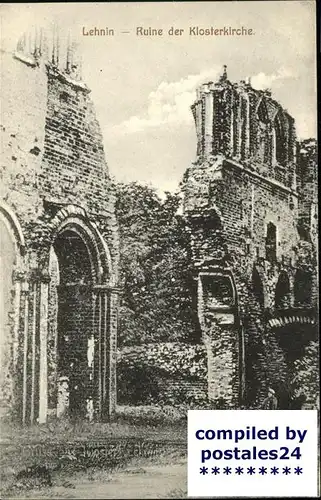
(250, 203)
(61, 241)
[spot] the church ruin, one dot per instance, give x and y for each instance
(250, 204)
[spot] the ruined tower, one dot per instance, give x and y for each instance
(59, 239)
(245, 200)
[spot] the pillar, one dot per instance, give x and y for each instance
(25, 335)
(105, 332)
(17, 280)
(43, 368)
(113, 326)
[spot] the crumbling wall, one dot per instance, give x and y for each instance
(54, 176)
(242, 184)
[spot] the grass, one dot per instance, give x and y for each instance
(66, 481)
(25, 450)
(177, 493)
(140, 422)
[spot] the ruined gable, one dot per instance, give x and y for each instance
(58, 206)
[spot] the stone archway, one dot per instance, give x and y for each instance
(81, 314)
(291, 333)
(74, 325)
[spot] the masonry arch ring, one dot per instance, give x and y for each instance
(98, 251)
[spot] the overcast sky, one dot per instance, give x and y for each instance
(143, 87)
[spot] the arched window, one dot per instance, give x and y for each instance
(280, 140)
(282, 292)
(262, 112)
(263, 136)
(303, 289)
(270, 242)
(218, 292)
(257, 287)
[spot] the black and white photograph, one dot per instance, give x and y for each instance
(158, 234)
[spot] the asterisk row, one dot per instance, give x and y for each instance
(251, 470)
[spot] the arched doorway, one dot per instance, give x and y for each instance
(79, 322)
(74, 323)
(292, 339)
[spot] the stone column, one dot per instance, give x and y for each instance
(33, 351)
(113, 325)
(96, 329)
(18, 278)
(25, 335)
(16, 377)
(105, 333)
(43, 368)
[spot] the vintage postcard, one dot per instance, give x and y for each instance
(158, 234)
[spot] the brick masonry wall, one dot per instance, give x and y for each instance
(52, 158)
(23, 115)
(244, 178)
(166, 390)
(181, 391)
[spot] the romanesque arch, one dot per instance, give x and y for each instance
(12, 223)
(291, 333)
(262, 111)
(74, 218)
(280, 140)
(263, 131)
(64, 321)
(11, 249)
(79, 317)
